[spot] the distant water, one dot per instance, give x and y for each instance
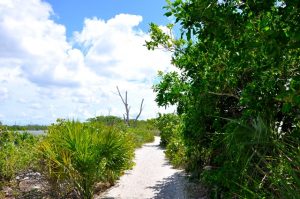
(34, 132)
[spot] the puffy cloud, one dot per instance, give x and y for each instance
(115, 49)
(77, 79)
(31, 40)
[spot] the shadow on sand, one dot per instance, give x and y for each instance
(178, 186)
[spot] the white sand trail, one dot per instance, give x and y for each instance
(151, 177)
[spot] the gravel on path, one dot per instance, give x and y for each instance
(153, 177)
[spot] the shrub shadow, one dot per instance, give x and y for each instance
(178, 186)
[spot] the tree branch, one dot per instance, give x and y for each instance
(121, 95)
(141, 109)
(225, 94)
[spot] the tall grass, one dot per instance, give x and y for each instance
(255, 162)
(79, 155)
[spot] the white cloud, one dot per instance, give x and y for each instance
(115, 49)
(37, 44)
(40, 68)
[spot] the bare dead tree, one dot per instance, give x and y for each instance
(127, 108)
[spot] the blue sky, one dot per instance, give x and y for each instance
(64, 59)
(72, 13)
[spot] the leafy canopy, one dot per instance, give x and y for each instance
(238, 91)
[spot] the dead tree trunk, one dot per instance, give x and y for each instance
(127, 108)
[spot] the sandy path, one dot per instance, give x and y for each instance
(152, 177)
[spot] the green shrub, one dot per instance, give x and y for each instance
(140, 135)
(167, 124)
(140, 131)
(17, 153)
(79, 155)
(107, 120)
(171, 138)
(175, 152)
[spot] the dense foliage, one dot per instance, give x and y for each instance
(238, 93)
(169, 126)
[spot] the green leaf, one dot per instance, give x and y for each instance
(286, 108)
(168, 14)
(176, 3)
